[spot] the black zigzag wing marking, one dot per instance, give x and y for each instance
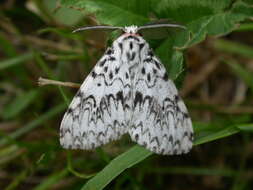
(99, 111)
(160, 120)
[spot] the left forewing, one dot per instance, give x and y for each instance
(160, 119)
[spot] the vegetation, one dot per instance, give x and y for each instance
(211, 62)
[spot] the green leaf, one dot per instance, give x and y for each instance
(19, 104)
(63, 15)
(186, 11)
(210, 17)
(176, 69)
(217, 22)
(113, 12)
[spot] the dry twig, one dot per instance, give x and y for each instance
(43, 81)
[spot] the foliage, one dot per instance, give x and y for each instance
(47, 48)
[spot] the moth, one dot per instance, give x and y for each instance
(128, 91)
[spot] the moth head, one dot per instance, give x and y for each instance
(131, 29)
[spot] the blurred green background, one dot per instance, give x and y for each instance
(211, 63)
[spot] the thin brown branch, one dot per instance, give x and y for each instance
(43, 81)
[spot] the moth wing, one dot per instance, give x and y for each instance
(98, 112)
(160, 119)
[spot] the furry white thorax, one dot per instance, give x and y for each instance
(131, 29)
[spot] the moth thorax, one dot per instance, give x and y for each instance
(130, 51)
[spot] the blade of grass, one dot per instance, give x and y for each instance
(6, 46)
(243, 73)
(73, 171)
(241, 182)
(246, 127)
(19, 104)
(43, 65)
(17, 180)
(15, 61)
(217, 135)
(234, 47)
(9, 153)
(138, 153)
(33, 124)
(116, 166)
(195, 171)
(52, 179)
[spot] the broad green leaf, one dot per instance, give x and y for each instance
(218, 23)
(63, 15)
(186, 11)
(176, 69)
(113, 12)
(210, 17)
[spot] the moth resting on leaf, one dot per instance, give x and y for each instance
(128, 91)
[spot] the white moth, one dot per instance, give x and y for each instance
(128, 91)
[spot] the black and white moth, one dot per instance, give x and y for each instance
(128, 91)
